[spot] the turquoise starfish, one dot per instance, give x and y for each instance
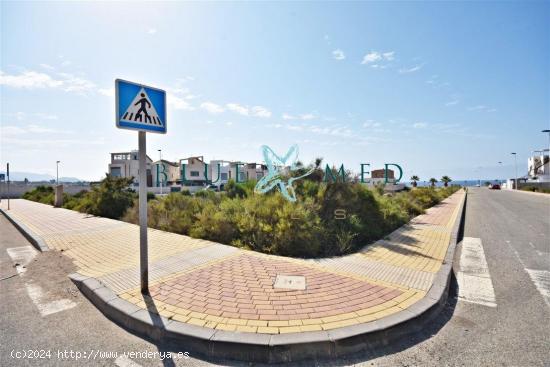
(275, 172)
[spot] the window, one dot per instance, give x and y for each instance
(195, 173)
(115, 171)
(223, 176)
(121, 157)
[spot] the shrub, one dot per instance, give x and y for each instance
(111, 198)
(41, 194)
(236, 190)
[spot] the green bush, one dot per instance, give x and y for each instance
(535, 189)
(111, 198)
(41, 194)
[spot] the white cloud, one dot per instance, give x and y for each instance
(29, 80)
(260, 111)
(371, 123)
(303, 116)
(33, 129)
(338, 55)
(211, 107)
(371, 57)
(72, 83)
(420, 125)
(378, 60)
(307, 116)
(109, 92)
(389, 55)
(152, 31)
(482, 108)
(235, 107)
(180, 103)
(38, 80)
(47, 67)
(411, 69)
(20, 116)
(452, 103)
(12, 130)
(286, 116)
(477, 108)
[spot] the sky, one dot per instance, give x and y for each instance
(441, 88)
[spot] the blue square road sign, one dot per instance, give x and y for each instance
(140, 107)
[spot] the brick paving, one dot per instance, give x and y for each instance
(225, 288)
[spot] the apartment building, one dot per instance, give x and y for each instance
(126, 164)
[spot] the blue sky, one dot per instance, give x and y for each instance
(440, 88)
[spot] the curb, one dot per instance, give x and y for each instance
(32, 237)
(277, 348)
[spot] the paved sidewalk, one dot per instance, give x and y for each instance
(220, 287)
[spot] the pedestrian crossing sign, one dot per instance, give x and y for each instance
(139, 107)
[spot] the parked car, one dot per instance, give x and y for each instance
(495, 187)
(212, 188)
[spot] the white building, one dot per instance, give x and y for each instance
(539, 168)
(126, 164)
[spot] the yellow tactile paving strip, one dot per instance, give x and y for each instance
(234, 291)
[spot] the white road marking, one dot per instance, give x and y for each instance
(474, 280)
(21, 256)
(541, 278)
(37, 296)
(124, 361)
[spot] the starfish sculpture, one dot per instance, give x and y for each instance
(275, 172)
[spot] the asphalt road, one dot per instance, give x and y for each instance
(514, 229)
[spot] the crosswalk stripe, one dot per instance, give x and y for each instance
(541, 279)
(474, 280)
(22, 256)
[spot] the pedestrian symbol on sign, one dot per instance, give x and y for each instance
(141, 110)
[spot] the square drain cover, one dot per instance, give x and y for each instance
(295, 282)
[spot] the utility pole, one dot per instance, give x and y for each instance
(160, 159)
(57, 172)
(516, 165)
(8, 175)
(548, 132)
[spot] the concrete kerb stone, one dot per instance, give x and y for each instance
(280, 347)
(32, 237)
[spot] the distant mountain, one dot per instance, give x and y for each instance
(38, 177)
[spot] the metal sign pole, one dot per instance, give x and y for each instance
(8, 176)
(143, 262)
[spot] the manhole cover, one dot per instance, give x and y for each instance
(295, 282)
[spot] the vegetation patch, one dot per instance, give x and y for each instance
(328, 219)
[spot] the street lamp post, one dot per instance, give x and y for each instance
(516, 165)
(160, 159)
(57, 172)
(548, 132)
